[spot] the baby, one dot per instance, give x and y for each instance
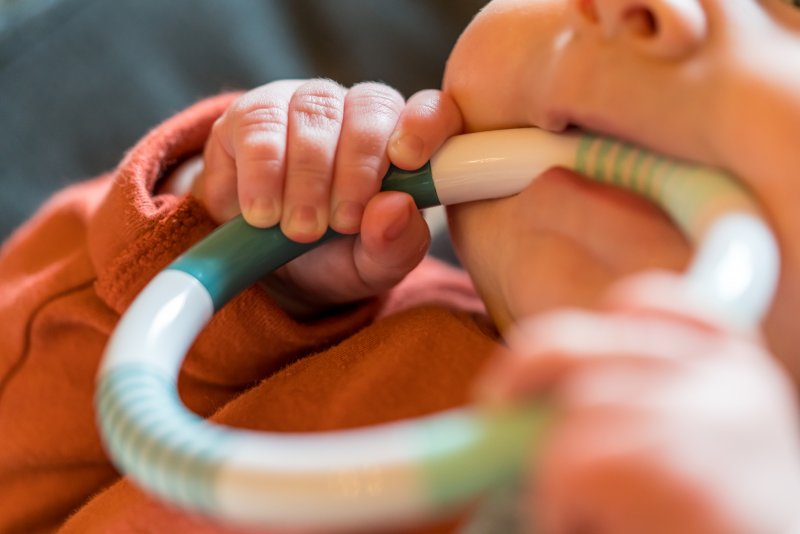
(668, 422)
(709, 81)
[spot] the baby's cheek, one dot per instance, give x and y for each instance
(780, 328)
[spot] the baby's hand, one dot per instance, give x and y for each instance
(666, 424)
(311, 154)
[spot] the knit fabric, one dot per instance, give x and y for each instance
(66, 277)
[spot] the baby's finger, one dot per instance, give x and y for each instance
(371, 111)
(609, 471)
(546, 350)
(429, 118)
(667, 294)
(215, 187)
(315, 119)
(394, 239)
(255, 128)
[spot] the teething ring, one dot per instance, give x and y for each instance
(403, 470)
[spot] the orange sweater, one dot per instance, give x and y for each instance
(67, 275)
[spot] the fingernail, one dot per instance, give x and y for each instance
(263, 212)
(303, 220)
(398, 226)
(408, 148)
(347, 216)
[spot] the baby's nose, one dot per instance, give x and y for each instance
(669, 29)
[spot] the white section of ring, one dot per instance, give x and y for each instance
(337, 479)
(161, 324)
(499, 163)
(737, 268)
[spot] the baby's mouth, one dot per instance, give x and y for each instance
(500, 163)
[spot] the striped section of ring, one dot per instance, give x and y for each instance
(690, 193)
(170, 450)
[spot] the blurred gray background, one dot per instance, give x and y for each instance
(82, 80)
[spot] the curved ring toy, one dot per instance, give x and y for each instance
(405, 470)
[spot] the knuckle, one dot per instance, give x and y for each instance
(312, 153)
(264, 116)
(260, 148)
(426, 104)
(318, 103)
(365, 171)
(369, 148)
(367, 139)
(311, 183)
(260, 130)
(376, 99)
(310, 168)
(427, 109)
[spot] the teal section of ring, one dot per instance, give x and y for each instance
(418, 183)
(167, 448)
(235, 255)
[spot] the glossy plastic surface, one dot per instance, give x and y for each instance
(374, 476)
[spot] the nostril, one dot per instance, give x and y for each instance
(667, 29)
(641, 22)
(588, 10)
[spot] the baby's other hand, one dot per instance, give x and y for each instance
(665, 424)
(311, 154)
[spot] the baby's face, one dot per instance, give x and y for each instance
(714, 81)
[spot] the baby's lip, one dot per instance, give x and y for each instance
(612, 131)
(599, 125)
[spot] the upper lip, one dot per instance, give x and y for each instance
(595, 124)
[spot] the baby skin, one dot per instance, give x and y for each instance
(668, 421)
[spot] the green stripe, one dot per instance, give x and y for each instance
(633, 177)
(600, 162)
(582, 157)
(683, 190)
(464, 457)
(619, 162)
